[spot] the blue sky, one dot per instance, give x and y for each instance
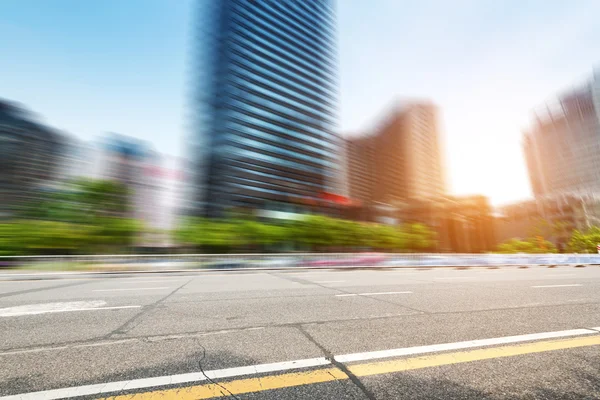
(124, 66)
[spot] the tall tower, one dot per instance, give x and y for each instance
(265, 105)
(562, 150)
(401, 160)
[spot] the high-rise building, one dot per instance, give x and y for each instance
(360, 159)
(265, 105)
(401, 160)
(30, 156)
(562, 149)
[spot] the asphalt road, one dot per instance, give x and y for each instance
(324, 334)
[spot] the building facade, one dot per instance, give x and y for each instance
(265, 109)
(463, 224)
(30, 157)
(562, 149)
(360, 163)
(401, 160)
(553, 217)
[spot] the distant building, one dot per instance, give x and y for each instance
(464, 224)
(401, 160)
(265, 107)
(154, 180)
(553, 218)
(30, 155)
(360, 168)
(562, 149)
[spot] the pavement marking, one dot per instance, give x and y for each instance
(557, 275)
(329, 281)
(369, 294)
(46, 308)
(151, 281)
(242, 386)
(456, 277)
(102, 388)
(259, 384)
(407, 351)
(125, 289)
(554, 286)
(406, 364)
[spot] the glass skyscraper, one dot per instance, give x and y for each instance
(265, 105)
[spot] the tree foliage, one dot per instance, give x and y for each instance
(88, 216)
(584, 242)
(312, 233)
(534, 245)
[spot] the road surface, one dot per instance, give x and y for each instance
(507, 333)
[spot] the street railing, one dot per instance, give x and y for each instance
(284, 260)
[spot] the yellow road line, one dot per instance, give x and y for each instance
(241, 386)
(406, 364)
(259, 384)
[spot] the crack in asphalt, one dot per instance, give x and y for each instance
(129, 324)
(329, 356)
(186, 335)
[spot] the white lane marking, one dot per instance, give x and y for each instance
(42, 308)
(456, 277)
(125, 289)
(90, 390)
(150, 281)
(382, 293)
(557, 275)
(101, 388)
(553, 286)
(329, 281)
(459, 345)
(369, 294)
(46, 308)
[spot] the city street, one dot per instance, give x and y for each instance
(530, 333)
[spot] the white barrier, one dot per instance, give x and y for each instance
(235, 261)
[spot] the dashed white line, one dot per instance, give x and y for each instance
(369, 294)
(48, 308)
(151, 281)
(456, 277)
(555, 286)
(126, 289)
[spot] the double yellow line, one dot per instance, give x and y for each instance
(259, 384)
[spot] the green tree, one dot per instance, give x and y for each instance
(536, 245)
(584, 242)
(419, 237)
(87, 216)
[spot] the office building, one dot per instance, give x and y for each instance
(360, 159)
(562, 149)
(401, 160)
(552, 217)
(30, 155)
(265, 106)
